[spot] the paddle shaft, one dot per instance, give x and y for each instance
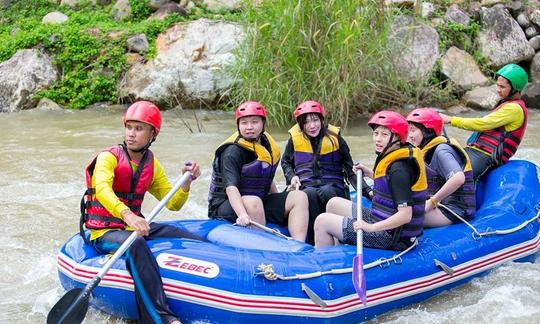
(85, 294)
(269, 230)
(359, 236)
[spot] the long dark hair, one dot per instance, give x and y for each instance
(302, 120)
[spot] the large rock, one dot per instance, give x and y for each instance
(460, 67)
(534, 15)
(501, 39)
(488, 3)
(167, 9)
(190, 68)
(223, 4)
(156, 4)
(531, 95)
(428, 9)
(523, 20)
(121, 10)
(400, 3)
(137, 43)
(534, 74)
(23, 76)
(535, 43)
(54, 18)
(457, 16)
(484, 98)
(5, 3)
(415, 47)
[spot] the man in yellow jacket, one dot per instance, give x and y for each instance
(497, 135)
(117, 180)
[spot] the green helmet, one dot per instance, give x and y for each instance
(515, 74)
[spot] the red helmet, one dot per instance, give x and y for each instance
(146, 112)
(250, 108)
(427, 117)
(391, 120)
(309, 107)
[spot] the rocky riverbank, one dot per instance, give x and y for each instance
(188, 64)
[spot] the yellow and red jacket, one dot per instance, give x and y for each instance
(128, 186)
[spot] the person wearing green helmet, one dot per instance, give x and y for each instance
(497, 135)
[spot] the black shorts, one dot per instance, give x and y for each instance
(274, 209)
(377, 240)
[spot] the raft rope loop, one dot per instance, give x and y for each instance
(478, 235)
(267, 270)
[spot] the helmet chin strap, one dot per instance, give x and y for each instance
(509, 97)
(426, 138)
(391, 142)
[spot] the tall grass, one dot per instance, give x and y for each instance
(324, 50)
(333, 51)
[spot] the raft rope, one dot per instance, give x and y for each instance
(267, 270)
(478, 235)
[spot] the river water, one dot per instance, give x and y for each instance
(42, 159)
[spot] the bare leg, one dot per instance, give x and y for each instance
(339, 206)
(327, 227)
(255, 209)
(296, 206)
(435, 218)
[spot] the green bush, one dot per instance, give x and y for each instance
(90, 60)
(325, 50)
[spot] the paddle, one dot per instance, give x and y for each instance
(270, 230)
(358, 278)
(72, 307)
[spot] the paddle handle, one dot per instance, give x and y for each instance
(127, 243)
(359, 236)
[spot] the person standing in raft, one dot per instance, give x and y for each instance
(117, 180)
(242, 187)
(449, 172)
(317, 160)
(399, 194)
(497, 135)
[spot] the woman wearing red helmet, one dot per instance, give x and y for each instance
(448, 169)
(242, 188)
(399, 194)
(317, 160)
(117, 180)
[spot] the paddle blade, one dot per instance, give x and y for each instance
(358, 278)
(71, 308)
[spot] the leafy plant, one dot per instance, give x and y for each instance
(90, 59)
(324, 50)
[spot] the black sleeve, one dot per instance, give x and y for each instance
(287, 162)
(232, 160)
(402, 175)
(347, 161)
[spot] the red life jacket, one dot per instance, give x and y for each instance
(129, 187)
(499, 143)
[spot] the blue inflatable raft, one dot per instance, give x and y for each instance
(246, 276)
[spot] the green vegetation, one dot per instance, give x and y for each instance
(336, 52)
(319, 49)
(89, 48)
(333, 51)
